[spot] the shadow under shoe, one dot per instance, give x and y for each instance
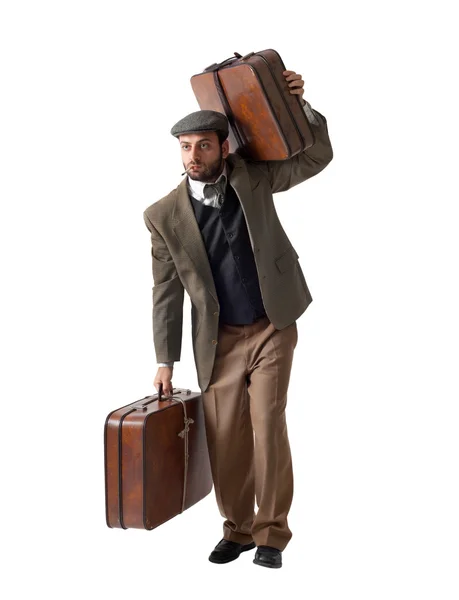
(226, 551)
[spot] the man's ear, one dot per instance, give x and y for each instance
(225, 148)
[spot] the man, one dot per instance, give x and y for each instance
(217, 236)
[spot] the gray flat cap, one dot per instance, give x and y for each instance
(201, 120)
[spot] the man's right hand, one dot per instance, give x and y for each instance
(164, 376)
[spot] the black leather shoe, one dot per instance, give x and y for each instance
(226, 551)
(268, 557)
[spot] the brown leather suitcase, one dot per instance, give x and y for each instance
(267, 122)
(156, 459)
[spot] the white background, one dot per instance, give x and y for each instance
(89, 93)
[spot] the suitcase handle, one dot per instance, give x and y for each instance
(161, 398)
(145, 405)
(216, 66)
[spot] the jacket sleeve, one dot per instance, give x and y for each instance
(168, 296)
(285, 174)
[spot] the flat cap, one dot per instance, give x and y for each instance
(201, 120)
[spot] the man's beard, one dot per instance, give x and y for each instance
(207, 173)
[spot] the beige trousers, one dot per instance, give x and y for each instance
(244, 408)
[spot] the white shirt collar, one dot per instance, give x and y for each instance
(197, 187)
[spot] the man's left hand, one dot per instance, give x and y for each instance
(296, 84)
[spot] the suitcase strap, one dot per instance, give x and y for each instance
(183, 434)
(227, 109)
(214, 68)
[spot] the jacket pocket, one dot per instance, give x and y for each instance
(286, 260)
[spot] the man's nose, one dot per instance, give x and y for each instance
(195, 153)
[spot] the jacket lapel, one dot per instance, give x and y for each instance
(186, 229)
(243, 184)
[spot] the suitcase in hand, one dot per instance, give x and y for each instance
(267, 122)
(156, 459)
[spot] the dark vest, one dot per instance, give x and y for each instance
(227, 242)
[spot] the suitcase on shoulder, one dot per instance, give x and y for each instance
(156, 459)
(267, 122)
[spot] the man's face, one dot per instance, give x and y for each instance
(204, 152)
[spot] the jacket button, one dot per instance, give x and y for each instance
(215, 314)
(214, 342)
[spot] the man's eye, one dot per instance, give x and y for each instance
(204, 145)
